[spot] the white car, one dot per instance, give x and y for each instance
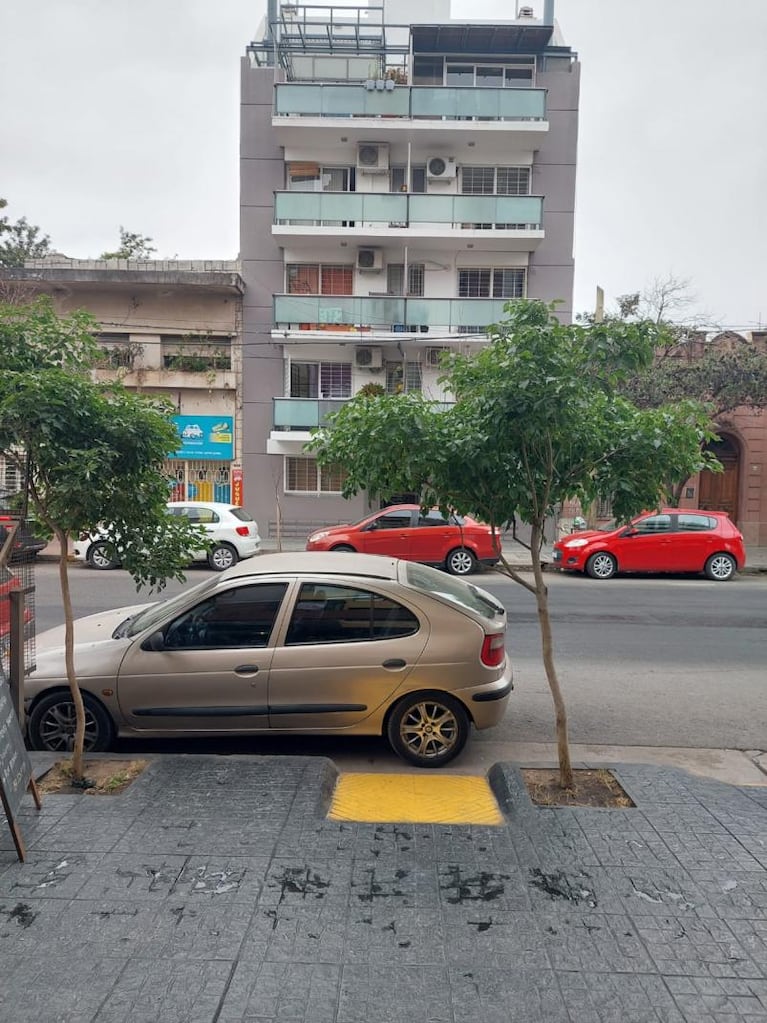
(232, 530)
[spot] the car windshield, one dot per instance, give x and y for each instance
(155, 613)
(456, 591)
(607, 527)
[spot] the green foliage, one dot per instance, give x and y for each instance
(371, 390)
(725, 374)
(34, 336)
(20, 240)
(94, 451)
(132, 246)
(537, 421)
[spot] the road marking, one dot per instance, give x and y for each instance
(414, 799)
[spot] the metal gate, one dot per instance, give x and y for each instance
(199, 481)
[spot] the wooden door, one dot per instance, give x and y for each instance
(719, 490)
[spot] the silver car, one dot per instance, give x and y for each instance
(318, 643)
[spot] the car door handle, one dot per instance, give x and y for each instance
(246, 669)
(394, 663)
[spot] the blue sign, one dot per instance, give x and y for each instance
(205, 437)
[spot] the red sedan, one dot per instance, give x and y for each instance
(671, 540)
(457, 543)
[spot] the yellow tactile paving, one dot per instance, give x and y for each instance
(414, 799)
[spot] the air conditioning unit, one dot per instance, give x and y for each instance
(373, 158)
(368, 358)
(370, 261)
(441, 168)
(434, 356)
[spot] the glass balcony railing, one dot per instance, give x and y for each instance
(303, 413)
(295, 99)
(385, 313)
(350, 209)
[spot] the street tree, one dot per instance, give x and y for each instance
(537, 421)
(132, 246)
(20, 240)
(91, 453)
(721, 369)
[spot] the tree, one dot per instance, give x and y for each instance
(722, 370)
(93, 454)
(20, 240)
(537, 421)
(132, 246)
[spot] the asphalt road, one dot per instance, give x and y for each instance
(642, 661)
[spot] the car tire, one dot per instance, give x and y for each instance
(52, 720)
(101, 555)
(428, 729)
(601, 566)
(222, 556)
(461, 561)
(343, 548)
(720, 567)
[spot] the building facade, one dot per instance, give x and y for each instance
(401, 180)
(168, 328)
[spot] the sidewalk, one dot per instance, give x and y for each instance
(215, 889)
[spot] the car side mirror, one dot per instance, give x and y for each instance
(372, 527)
(630, 531)
(154, 642)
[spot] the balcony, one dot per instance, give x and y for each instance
(419, 112)
(503, 222)
(344, 314)
(303, 414)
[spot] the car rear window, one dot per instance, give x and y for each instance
(241, 514)
(456, 591)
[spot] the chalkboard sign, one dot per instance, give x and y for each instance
(15, 766)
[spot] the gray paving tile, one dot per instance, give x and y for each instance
(51, 990)
(288, 992)
(149, 992)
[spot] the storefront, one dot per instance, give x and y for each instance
(201, 468)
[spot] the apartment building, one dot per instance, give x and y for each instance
(167, 327)
(403, 176)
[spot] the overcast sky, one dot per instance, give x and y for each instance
(126, 112)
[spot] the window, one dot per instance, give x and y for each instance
(401, 378)
(316, 279)
(393, 520)
(495, 181)
(344, 614)
(433, 517)
(504, 282)
(398, 178)
(198, 514)
(305, 476)
(320, 380)
(695, 523)
(310, 177)
(478, 180)
(234, 619)
(654, 524)
(395, 278)
(513, 180)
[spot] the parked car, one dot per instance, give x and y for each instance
(671, 540)
(457, 543)
(292, 643)
(232, 531)
(25, 544)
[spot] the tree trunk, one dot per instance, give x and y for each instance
(547, 651)
(69, 658)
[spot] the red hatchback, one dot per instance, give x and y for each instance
(671, 540)
(457, 543)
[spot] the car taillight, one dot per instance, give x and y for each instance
(493, 650)
(242, 530)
